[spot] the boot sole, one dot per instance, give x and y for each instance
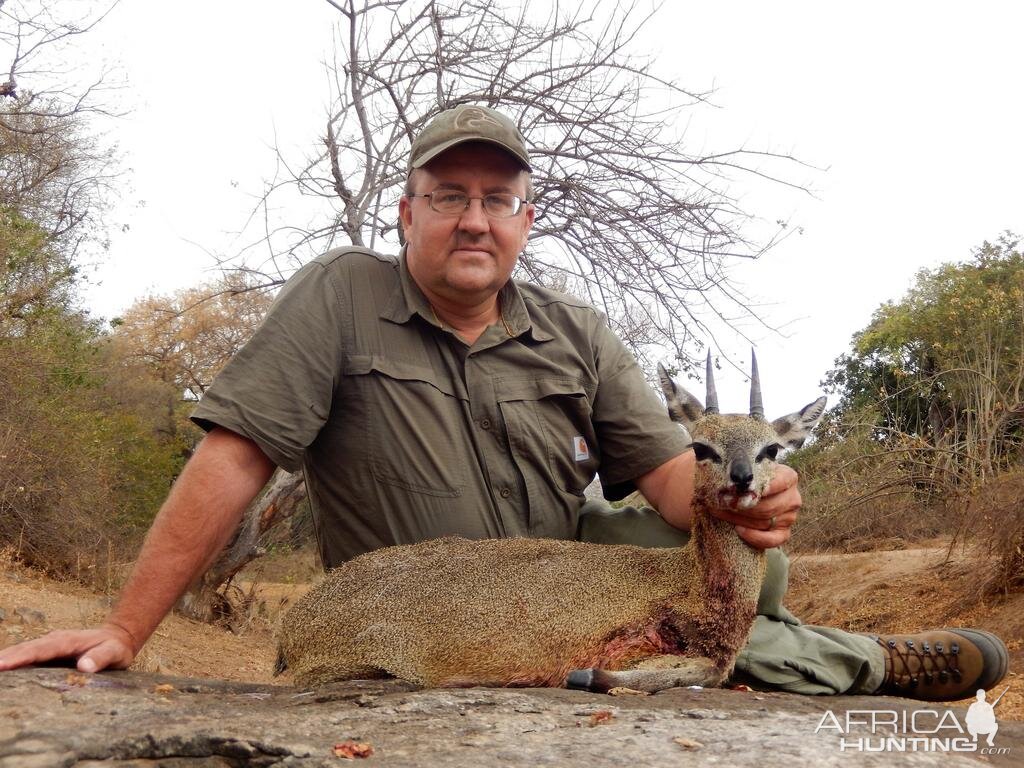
(993, 651)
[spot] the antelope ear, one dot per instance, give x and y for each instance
(682, 406)
(794, 428)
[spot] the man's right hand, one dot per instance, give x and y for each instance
(93, 649)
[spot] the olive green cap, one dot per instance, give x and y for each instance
(463, 123)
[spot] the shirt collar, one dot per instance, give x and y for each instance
(408, 300)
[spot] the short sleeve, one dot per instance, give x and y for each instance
(632, 424)
(277, 390)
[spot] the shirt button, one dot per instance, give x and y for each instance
(485, 423)
(505, 493)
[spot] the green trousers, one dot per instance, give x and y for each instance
(782, 652)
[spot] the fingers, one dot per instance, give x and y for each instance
(784, 503)
(95, 649)
(768, 523)
(55, 645)
(781, 501)
(758, 518)
(785, 477)
(762, 539)
(112, 653)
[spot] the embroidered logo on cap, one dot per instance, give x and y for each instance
(580, 449)
(474, 119)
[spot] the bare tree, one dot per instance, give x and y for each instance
(627, 216)
(55, 169)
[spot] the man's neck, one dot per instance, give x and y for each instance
(469, 322)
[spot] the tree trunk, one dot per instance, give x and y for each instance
(207, 600)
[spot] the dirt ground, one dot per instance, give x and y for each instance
(900, 590)
(907, 590)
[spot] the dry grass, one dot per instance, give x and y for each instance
(992, 524)
(858, 496)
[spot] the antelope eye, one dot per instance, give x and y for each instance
(705, 453)
(769, 452)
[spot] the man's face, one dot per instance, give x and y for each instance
(466, 258)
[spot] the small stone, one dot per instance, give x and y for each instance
(705, 714)
(30, 616)
(688, 744)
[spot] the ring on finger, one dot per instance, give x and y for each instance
(771, 523)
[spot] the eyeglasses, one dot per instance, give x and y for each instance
(449, 202)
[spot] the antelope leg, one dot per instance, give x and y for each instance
(654, 674)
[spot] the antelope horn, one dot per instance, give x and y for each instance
(756, 406)
(712, 398)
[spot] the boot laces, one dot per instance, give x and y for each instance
(925, 664)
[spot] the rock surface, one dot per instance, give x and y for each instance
(57, 717)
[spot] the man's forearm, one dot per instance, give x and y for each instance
(194, 524)
(669, 489)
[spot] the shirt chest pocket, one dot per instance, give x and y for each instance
(550, 430)
(414, 424)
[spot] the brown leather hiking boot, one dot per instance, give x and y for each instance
(941, 664)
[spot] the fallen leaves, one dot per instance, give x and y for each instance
(163, 688)
(352, 749)
(601, 716)
(77, 679)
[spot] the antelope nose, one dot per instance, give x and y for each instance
(741, 474)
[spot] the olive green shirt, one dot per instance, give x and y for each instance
(407, 433)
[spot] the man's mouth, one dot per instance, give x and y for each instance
(472, 250)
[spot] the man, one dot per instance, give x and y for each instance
(432, 395)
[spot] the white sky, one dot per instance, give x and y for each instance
(914, 108)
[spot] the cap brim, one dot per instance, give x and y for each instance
(426, 157)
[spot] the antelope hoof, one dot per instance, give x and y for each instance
(580, 680)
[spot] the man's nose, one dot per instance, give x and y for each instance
(474, 219)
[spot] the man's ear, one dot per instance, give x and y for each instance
(405, 212)
(529, 212)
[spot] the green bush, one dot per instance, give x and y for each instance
(80, 477)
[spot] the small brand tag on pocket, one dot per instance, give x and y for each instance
(579, 448)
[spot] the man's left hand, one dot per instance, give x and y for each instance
(768, 523)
